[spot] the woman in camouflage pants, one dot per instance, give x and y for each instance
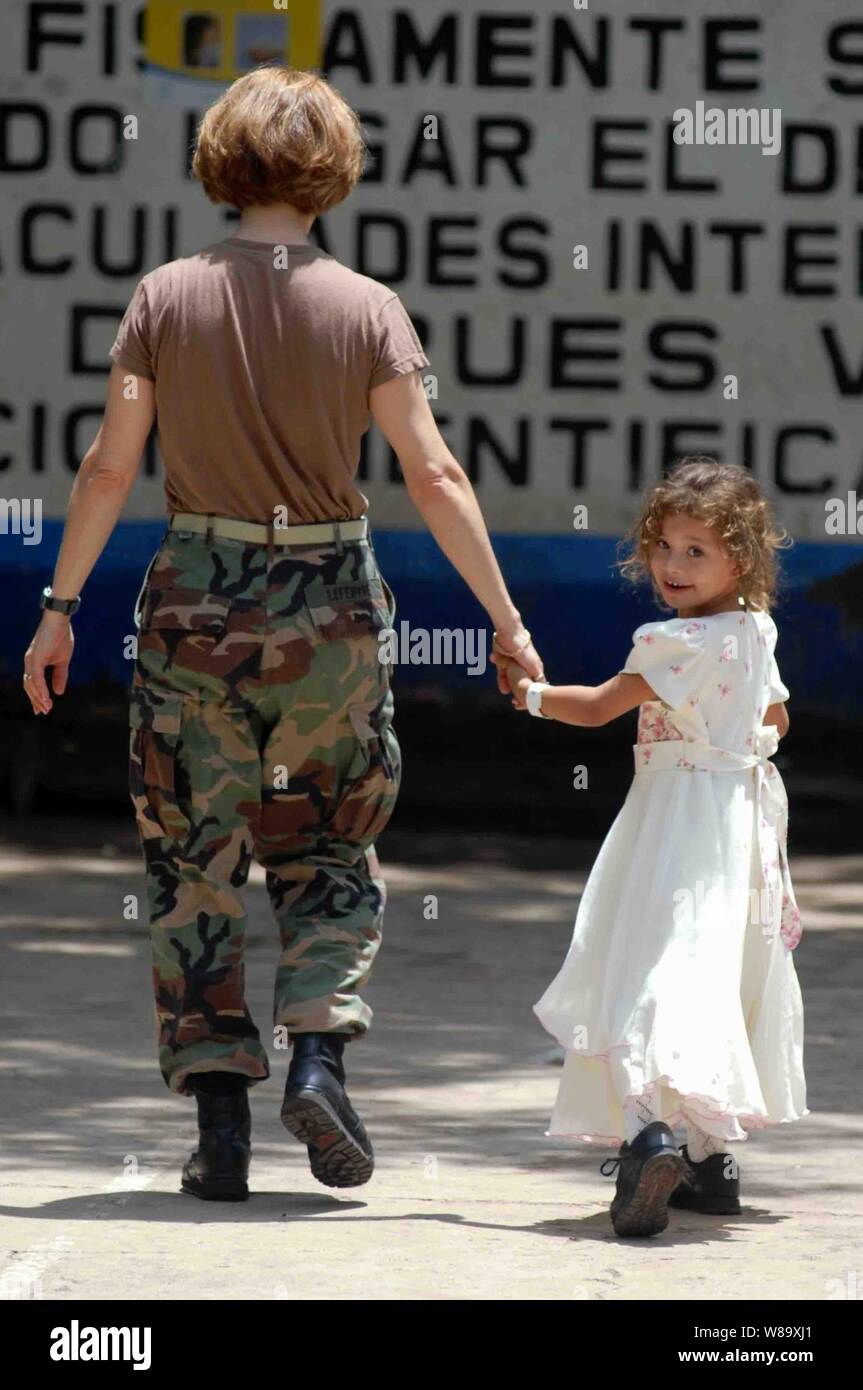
(261, 714)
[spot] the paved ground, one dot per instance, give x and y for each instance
(456, 1081)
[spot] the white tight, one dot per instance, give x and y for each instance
(640, 1111)
(637, 1113)
(700, 1145)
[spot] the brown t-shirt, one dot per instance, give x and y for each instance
(262, 376)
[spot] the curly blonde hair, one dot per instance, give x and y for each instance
(726, 497)
(279, 135)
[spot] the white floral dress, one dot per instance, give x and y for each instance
(679, 982)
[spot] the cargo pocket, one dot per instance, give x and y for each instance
(373, 778)
(139, 601)
(350, 609)
(155, 734)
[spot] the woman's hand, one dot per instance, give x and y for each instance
(52, 646)
(528, 662)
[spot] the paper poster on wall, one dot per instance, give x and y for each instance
(193, 51)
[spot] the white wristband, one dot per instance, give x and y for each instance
(533, 698)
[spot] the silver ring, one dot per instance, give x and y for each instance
(27, 677)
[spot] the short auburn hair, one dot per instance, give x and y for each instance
(279, 135)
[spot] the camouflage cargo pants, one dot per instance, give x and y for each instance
(261, 728)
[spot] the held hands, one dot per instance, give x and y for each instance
(514, 673)
(518, 683)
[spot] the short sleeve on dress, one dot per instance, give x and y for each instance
(671, 656)
(779, 691)
(133, 347)
(398, 350)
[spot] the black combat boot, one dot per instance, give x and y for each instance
(649, 1170)
(317, 1111)
(218, 1169)
(711, 1186)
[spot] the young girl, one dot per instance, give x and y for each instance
(678, 1001)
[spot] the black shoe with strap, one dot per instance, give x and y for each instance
(648, 1170)
(317, 1111)
(711, 1186)
(218, 1170)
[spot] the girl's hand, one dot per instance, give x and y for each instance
(519, 692)
(518, 683)
(52, 646)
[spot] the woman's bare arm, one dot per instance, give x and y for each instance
(105, 478)
(442, 494)
(99, 493)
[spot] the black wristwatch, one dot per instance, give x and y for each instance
(59, 605)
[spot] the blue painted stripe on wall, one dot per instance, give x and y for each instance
(569, 593)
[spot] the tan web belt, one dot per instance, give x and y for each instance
(256, 532)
